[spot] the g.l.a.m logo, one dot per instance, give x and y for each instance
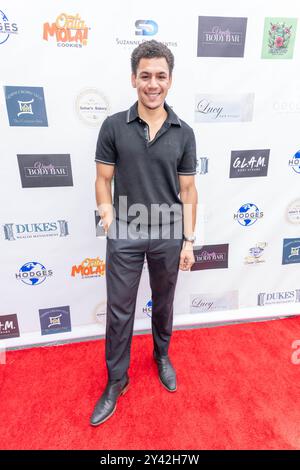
(9, 327)
(69, 30)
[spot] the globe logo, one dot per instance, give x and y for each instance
(148, 309)
(248, 214)
(295, 163)
(6, 28)
(33, 273)
(256, 251)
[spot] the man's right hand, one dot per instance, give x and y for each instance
(106, 214)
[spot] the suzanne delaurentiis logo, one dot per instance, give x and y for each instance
(45, 170)
(68, 31)
(7, 28)
(143, 30)
(146, 27)
(249, 163)
(55, 320)
(248, 214)
(291, 251)
(279, 38)
(220, 36)
(26, 106)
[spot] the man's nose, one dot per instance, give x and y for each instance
(153, 82)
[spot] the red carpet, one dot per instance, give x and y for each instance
(237, 389)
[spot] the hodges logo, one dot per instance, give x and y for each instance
(90, 267)
(70, 31)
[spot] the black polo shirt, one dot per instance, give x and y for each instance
(147, 171)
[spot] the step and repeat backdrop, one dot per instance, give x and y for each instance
(65, 66)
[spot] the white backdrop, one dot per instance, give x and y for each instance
(255, 105)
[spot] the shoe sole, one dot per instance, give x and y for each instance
(107, 417)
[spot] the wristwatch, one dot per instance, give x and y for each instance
(190, 238)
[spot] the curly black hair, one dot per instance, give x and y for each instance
(148, 50)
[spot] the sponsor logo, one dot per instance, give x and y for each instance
(288, 106)
(295, 162)
(7, 28)
(36, 230)
(279, 38)
(90, 267)
(26, 106)
(55, 320)
(142, 28)
(255, 254)
(68, 30)
(293, 212)
(248, 214)
(224, 108)
(202, 166)
(247, 163)
(100, 312)
(91, 107)
(221, 37)
(38, 171)
(284, 297)
(147, 310)
(9, 327)
(291, 251)
(210, 257)
(33, 273)
(201, 303)
(146, 28)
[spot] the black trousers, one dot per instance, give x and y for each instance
(124, 265)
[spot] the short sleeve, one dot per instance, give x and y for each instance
(188, 162)
(106, 151)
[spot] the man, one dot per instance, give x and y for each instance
(151, 154)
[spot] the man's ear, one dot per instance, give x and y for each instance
(133, 80)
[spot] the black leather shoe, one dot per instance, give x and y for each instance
(166, 372)
(107, 403)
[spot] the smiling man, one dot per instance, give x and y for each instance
(151, 154)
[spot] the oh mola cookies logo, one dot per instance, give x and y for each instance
(69, 31)
(90, 267)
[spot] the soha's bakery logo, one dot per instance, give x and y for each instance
(69, 31)
(91, 107)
